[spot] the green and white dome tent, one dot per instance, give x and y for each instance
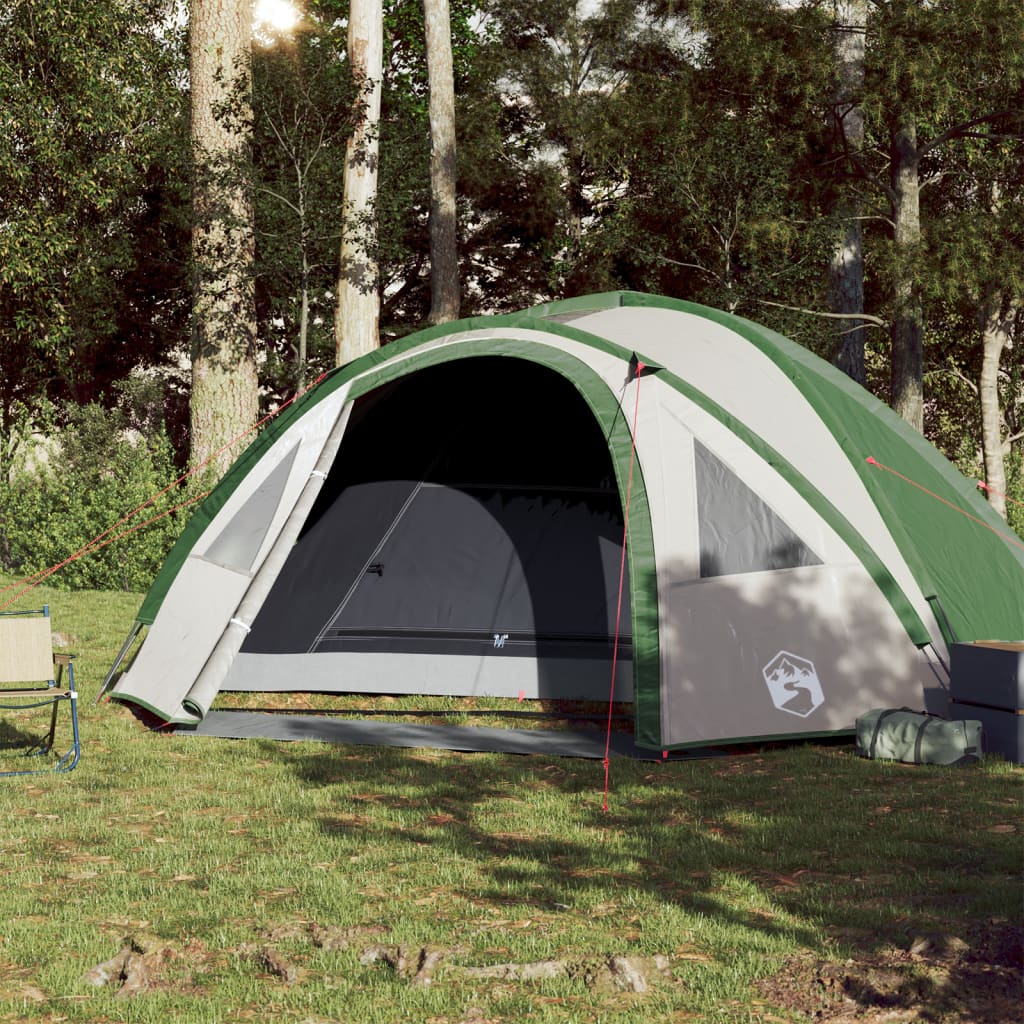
(445, 516)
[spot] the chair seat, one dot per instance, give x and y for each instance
(45, 692)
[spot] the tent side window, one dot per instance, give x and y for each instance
(238, 544)
(739, 533)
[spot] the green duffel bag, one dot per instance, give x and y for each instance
(899, 734)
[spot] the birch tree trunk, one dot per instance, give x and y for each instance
(996, 317)
(301, 356)
(444, 255)
(225, 390)
(846, 271)
(357, 315)
(907, 330)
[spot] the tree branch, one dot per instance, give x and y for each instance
(949, 371)
(277, 195)
(678, 263)
(963, 129)
(865, 318)
(860, 169)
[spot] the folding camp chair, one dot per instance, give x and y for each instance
(27, 658)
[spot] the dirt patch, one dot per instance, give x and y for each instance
(611, 974)
(974, 978)
(145, 963)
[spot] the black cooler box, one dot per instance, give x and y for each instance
(987, 683)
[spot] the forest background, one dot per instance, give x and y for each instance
(848, 172)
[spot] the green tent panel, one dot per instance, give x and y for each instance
(447, 516)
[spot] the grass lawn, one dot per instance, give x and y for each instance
(254, 880)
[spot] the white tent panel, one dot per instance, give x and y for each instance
(205, 594)
(192, 618)
(452, 675)
(745, 664)
(682, 422)
(728, 369)
(295, 452)
(732, 608)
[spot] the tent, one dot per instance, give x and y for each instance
(446, 516)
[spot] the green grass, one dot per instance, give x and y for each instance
(730, 867)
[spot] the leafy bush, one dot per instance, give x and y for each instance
(97, 473)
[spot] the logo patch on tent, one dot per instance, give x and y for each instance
(793, 684)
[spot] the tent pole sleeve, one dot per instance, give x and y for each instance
(211, 678)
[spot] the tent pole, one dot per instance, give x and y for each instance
(121, 654)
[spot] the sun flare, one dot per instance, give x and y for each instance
(279, 15)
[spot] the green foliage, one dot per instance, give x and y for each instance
(304, 105)
(88, 109)
(949, 74)
(77, 491)
(683, 148)
(548, 132)
(706, 187)
(1015, 489)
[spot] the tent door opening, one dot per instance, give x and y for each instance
(467, 542)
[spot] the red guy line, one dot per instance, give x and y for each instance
(999, 494)
(956, 508)
(35, 579)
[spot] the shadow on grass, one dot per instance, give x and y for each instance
(778, 843)
(16, 742)
(680, 831)
(808, 844)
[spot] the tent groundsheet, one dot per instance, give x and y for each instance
(476, 739)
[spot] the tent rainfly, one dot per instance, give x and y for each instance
(445, 516)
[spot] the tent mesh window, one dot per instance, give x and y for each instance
(739, 533)
(238, 544)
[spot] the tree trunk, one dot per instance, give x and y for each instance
(444, 255)
(225, 390)
(996, 317)
(907, 330)
(846, 271)
(302, 356)
(357, 316)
